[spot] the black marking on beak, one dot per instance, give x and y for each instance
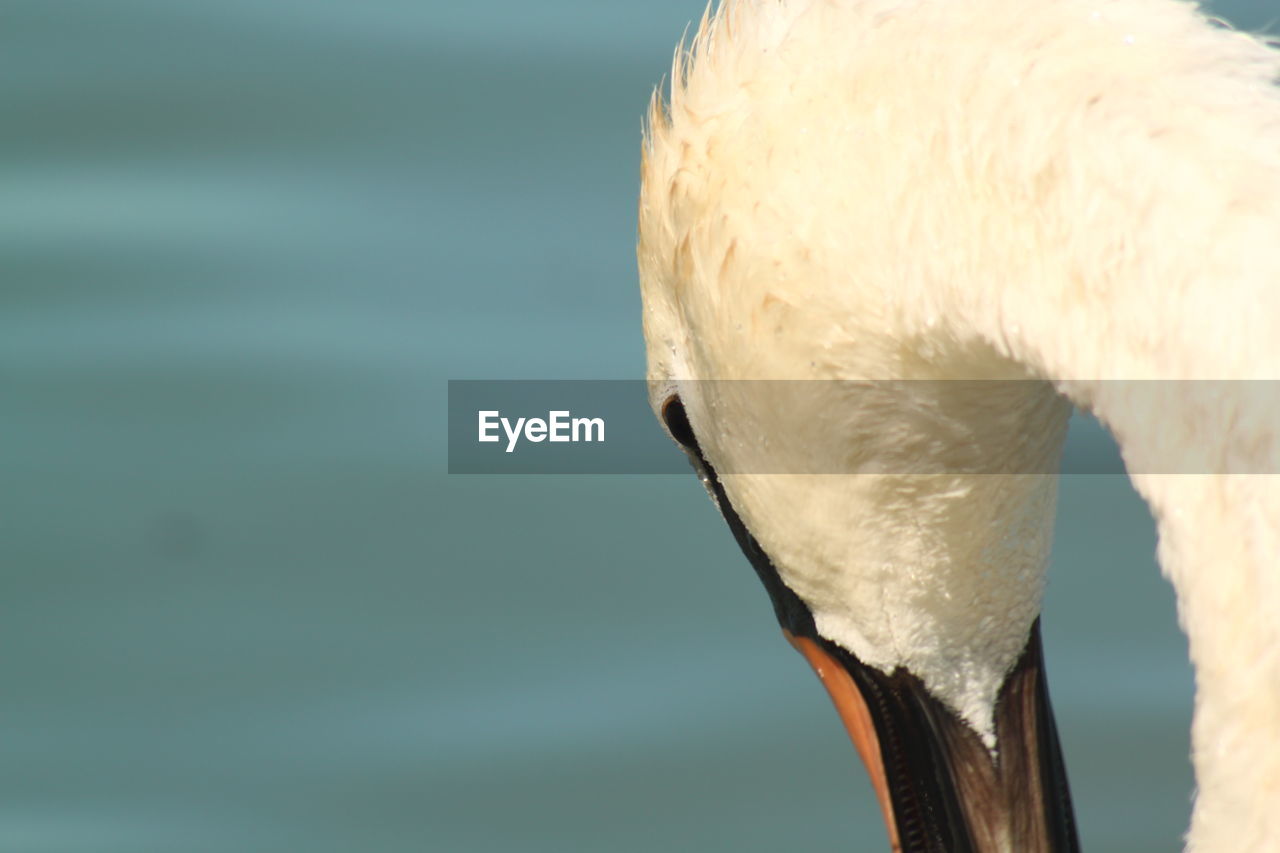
(949, 793)
(793, 614)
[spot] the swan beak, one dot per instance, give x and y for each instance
(940, 789)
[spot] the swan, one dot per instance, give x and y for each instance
(957, 219)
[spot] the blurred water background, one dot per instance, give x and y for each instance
(245, 245)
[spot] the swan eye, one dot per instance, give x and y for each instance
(677, 423)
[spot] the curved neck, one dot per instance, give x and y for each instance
(1205, 455)
(1147, 302)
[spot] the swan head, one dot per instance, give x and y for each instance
(887, 469)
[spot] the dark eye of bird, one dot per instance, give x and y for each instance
(673, 415)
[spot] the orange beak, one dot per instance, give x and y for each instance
(857, 722)
(940, 789)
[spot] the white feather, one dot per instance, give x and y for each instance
(1081, 193)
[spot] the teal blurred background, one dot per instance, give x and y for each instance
(245, 245)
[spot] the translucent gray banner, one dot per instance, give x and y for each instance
(843, 427)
